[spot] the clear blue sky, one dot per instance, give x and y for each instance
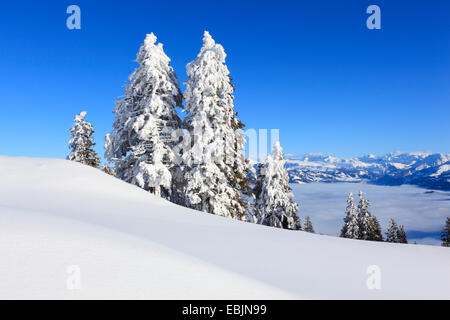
(310, 68)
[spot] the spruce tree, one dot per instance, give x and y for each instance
(445, 234)
(257, 189)
(81, 143)
(392, 232)
(215, 169)
(401, 235)
(249, 198)
(296, 225)
(141, 143)
(364, 218)
(351, 224)
(375, 233)
(308, 225)
(274, 201)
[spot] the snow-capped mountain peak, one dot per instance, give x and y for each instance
(425, 169)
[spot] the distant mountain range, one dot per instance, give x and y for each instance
(427, 170)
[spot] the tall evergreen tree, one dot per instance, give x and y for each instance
(401, 235)
(445, 234)
(308, 225)
(81, 143)
(214, 164)
(141, 143)
(274, 201)
(364, 218)
(392, 232)
(351, 224)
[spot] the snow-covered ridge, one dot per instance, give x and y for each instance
(429, 170)
(128, 243)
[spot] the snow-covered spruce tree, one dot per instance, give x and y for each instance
(375, 233)
(351, 224)
(308, 225)
(274, 199)
(249, 198)
(215, 169)
(364, 218)
(392, 232)
(140, 145)
(256, 184)
(81, 143)
(445, 234)
(401, 235)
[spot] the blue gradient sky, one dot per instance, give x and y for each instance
(310, 68)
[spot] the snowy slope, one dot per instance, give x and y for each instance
(130, 244)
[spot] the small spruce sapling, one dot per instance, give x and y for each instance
(308, 225)
(81, 142)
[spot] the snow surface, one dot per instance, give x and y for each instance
(131, 244)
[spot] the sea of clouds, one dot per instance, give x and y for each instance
(422, 212)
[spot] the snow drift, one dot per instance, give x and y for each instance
(128, 243)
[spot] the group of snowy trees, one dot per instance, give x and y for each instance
(359, 223)
(395, 233)
(199, 161)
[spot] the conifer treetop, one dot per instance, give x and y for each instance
(150, 40)
(277, 151)
(208, 41)
(80, 116)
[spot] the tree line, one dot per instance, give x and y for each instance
(360, 224)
